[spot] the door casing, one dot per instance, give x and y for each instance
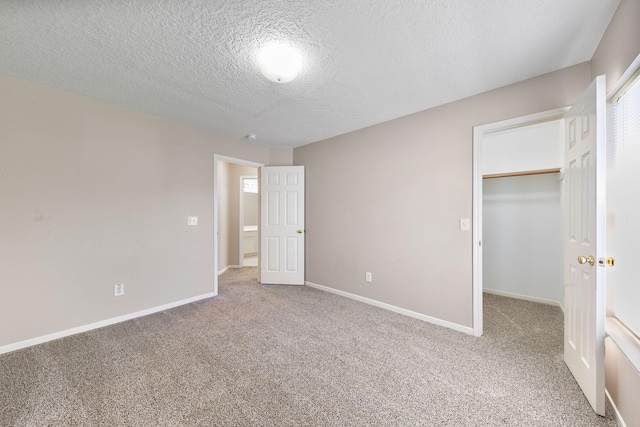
(478, 134)
(216, 231)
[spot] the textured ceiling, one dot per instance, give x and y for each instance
(366, 61)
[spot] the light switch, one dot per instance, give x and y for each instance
(465, 224)
(192, 220)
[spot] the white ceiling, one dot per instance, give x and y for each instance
(367, 61)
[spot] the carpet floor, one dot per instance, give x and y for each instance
(296, 356)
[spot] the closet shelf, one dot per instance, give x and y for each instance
(506, 175)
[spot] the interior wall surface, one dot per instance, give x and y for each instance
(281, 156)
(619, 45)
(95, 195)
(250, 208)
(522, 245)
(388, 198)
(618, 48)
(534, 147)
(235, 171)
(224, 235)
(622, 383)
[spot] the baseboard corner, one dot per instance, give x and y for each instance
(393, 308)
(227, 268)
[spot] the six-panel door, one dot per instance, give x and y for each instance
(282, 225)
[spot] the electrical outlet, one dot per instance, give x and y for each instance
(118, 290)
(192, 220)
(368, 277)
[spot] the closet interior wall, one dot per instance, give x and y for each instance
(522, 216)
(522, 228)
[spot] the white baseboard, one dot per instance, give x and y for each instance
(435, 321)
(57, 335)
(228, 267)
(619, 419)
(524, 297)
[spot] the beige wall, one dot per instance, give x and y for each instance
(251, 208)
(235, 171)
(94, 195)
(281, 157)
(388, 198)
(222, 172)
(619, 45)
(618, 48)
(229, 211)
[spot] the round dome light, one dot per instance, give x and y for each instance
(279, 62)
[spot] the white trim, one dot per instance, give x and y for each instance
(228, 267)
(524, 297)
(478, 133)
(435, 321)
(625, 80)
(216, 158)
(517, 122)
(477, 233)
(84, 328)
(628, 344)
(619, 419)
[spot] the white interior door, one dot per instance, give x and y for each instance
(584, 231)
(282, 225)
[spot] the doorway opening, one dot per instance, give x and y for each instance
(228, 237)
(522, 246)
(511, 158)
(248, 220)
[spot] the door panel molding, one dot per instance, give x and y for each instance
(584, 236)
(282, 225)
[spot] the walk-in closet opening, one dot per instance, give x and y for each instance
(518, 210)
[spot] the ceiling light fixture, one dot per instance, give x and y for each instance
(279, 62)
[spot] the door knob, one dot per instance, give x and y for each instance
(583, 260)
(299, 231)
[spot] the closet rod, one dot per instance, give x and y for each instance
(506, 175)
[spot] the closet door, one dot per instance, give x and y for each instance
(584, 232)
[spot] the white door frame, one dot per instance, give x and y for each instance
(241, 219)
(478, 135)
(216, 249)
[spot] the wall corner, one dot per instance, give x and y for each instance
(281, 156)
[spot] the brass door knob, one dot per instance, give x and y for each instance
(583, 260)
(299, 231)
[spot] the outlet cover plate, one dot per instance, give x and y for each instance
(118, 290)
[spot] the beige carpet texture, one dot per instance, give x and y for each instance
(296, 356)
